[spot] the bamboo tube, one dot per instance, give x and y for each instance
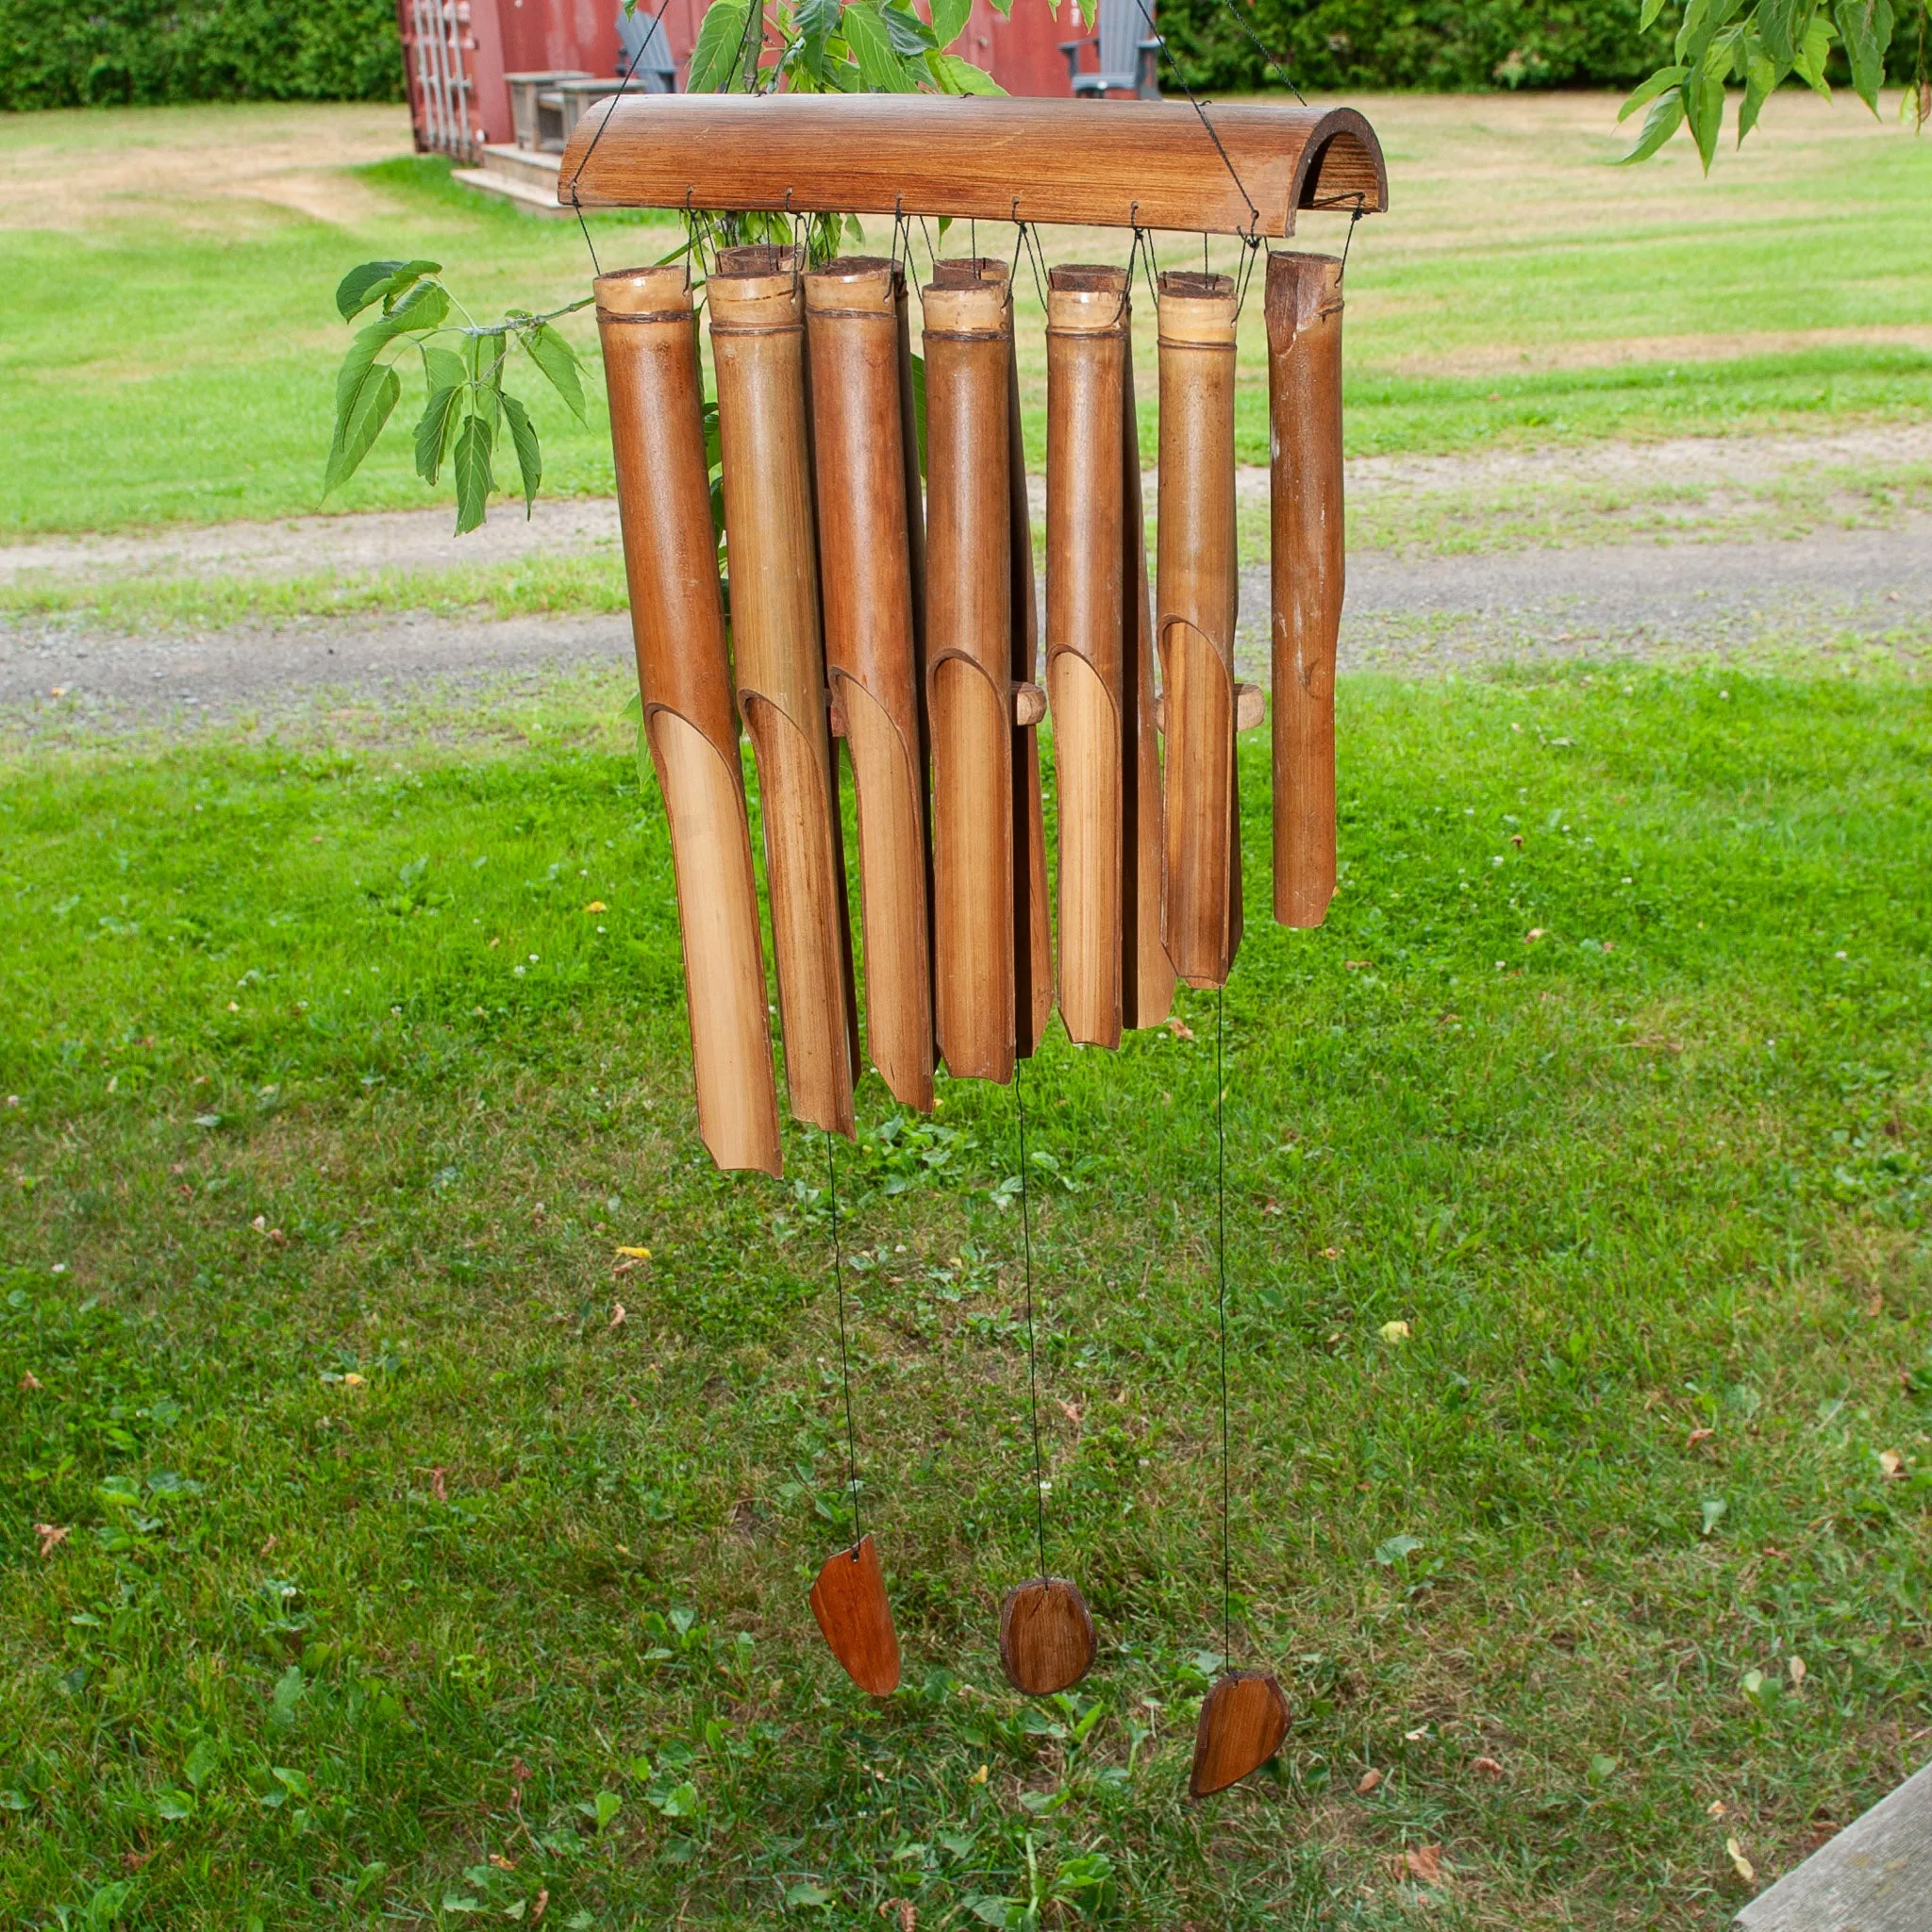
(1307, 567)
(1196, 599)
(649, 331)
(1147, 977)
(969, 672)
(1087, 625)
(853, 316)
(757, 350)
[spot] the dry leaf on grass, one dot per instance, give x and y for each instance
(52, 1535)
(29, 1382)
(1180, 1028)
(1797, 1671)
(1488, 1767)
(617, 1315)
(635, 1254)
(1739, 1863)
(436, 1486)
(1894, 1464)
(1367, 1782)
(1697, 1436)
(1070, 1411)
(908, 1911)
(1423, 1863)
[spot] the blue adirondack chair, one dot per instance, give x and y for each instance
(1126, 52)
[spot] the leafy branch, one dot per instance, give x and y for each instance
(1764, 43)
(467, 406)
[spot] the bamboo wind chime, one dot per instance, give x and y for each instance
(881, 594)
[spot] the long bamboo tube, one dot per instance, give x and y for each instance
(969, 672)
(649, 331)
(1147, 977)
(852, 318)
(1087, 626)
(757, 350)
(1196, 598)
(1306, 569)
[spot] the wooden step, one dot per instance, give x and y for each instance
(527, 164)
(540, 201)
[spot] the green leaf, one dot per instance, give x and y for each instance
(1865, 27)
(806, 1897)
(358, 427)
(1396, 1549)
(957, 75)
(1664, 77)
(714, 57)
(202, 1761)
(435, 428)
(1702, 19)
(443, 368)
(371, 1875)
(1664, 120)
(1704, 107)
(1761, 77)
(880, 67)
(1714, 1510)
(474, 477)
(559, 361)
(1778, 22)
(949, 20)
(910, 36)
(529, 462)
(1647, 18)
(1808, 61)
(378, 281)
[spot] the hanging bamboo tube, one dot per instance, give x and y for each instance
(1087, 624)
(1196, 598)
(853, 316)
(649, 331)
(757, 350)
(1306, 563)
(971, 627)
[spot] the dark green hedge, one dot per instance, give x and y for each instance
(83, 53)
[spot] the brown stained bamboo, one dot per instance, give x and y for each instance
(758, 351)
(1195, 596)
(1116, 163)
(968, 683)
(1307, 570)
(1147, 975)
(1087, 624)
(649, 331)
(853, 320)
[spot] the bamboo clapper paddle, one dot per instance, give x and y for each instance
(849, 1601)
(1046, 1636)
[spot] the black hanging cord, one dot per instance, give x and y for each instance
(1349, 240)
(845, 1358)
(1287, 79)
(1193, 101)
(1221, 1260)
(577, 205)
(1032, 1353)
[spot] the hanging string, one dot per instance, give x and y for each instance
(610, 108)
(1349, 240)
(1253, 244)
(1150, 264)
(845, 1358)
(1287, 79)
(1220, 1259)
(1032, 1353)
(1234, 173)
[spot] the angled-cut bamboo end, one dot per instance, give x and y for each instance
(809, 918)
(661, 290)
(850, 1604)
(1046, 1637)
(1243, 1721)
(1087, 300)
(1303, 291)
(724, 964)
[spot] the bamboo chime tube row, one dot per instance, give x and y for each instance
(1196, 596)
(649, 331)
(1304, 315)
(854, 314)
(758, 351)
(1086, 622)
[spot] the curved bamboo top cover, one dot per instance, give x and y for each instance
(684, 678)
(1308, 570)
(855, 321)
(649, 325)
(1151, 164)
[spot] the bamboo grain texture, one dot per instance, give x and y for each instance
(757, 353)
(854, 313)
(1306, 572)
(648, 327)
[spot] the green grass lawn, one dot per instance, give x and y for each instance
(390, 1579)
(175, 363)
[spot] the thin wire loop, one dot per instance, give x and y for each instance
(1254, 226)
(845, 1358)
(1032, 1353)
